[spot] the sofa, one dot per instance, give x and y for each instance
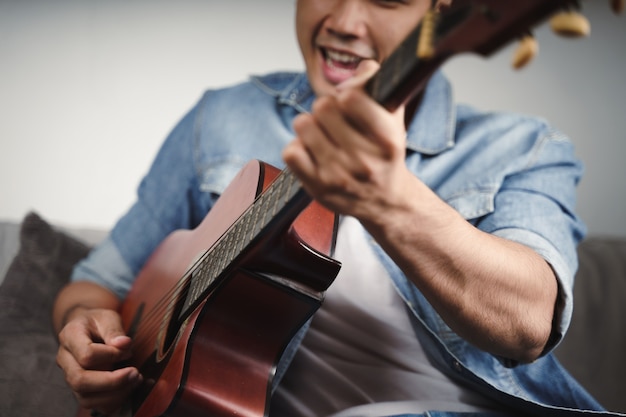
(37, 257)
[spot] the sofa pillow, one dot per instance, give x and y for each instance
(31, 384)
(593, 349)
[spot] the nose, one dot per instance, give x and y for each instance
(347, 19)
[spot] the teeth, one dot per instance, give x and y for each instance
(342, 57)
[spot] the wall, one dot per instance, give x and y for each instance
(90, 88)
(578, 85)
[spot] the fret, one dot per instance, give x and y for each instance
(261, 219)
(242, 232)
(198, 281)
(196, 284)
(251, 222)
(225, 244)
(211, 265)
(285, 196)
(198, 287)
(231, 237)
(294, 185)
(247, 236)
(205, 273)
(209, 272)
(280, 184)
(240, 235)
(236, 239)
(220, 256)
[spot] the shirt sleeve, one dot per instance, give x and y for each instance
(536, 207)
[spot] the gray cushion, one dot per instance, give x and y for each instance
(593, 349)
(30, 382)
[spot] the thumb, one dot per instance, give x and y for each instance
(112, 332)
(366, 69)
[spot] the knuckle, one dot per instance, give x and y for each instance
(364, 172)
(76, 381)
(334, 182)
(66, 332)
(324, 105)
(302, 122)
(59, 358)
(349, 98)
(85, 358)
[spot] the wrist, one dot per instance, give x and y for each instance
(72, 312)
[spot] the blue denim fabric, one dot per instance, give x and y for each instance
(507, 174)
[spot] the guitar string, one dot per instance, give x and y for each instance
(149, 327)
(165, 308)
(153, 322)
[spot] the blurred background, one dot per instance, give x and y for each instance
(90, 88)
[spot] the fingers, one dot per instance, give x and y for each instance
(330, 147)
(347, 135)
(349, 149)
(105, 391)
(90, 348)
(97, 340)
(109, 327)
(383, 129)
(360, 110)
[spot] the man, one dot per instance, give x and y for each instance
(457, 236)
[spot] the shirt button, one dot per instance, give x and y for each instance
(457, 366)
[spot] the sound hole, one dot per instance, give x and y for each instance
(172, 326)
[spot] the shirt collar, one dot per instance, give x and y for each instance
(290, 89)
(430, 132)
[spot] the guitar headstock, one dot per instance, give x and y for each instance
(482, 27)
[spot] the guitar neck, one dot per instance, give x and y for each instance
(464, 26)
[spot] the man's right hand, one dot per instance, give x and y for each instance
(93, 347)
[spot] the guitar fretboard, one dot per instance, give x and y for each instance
(284, 192)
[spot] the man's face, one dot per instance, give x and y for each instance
(336, 35)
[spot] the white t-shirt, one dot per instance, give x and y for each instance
(361, 356)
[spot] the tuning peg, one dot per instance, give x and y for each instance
(425, 44)
(571, 24)
(617, 6)
(525, 52)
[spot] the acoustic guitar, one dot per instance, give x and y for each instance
(214, 308)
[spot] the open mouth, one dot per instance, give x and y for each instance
(338, 65)
(341, 60)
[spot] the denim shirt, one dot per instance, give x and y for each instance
(507, 174)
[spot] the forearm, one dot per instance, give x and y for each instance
(81, 295)
(497, 294)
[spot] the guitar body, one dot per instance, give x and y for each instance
(220, 359)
